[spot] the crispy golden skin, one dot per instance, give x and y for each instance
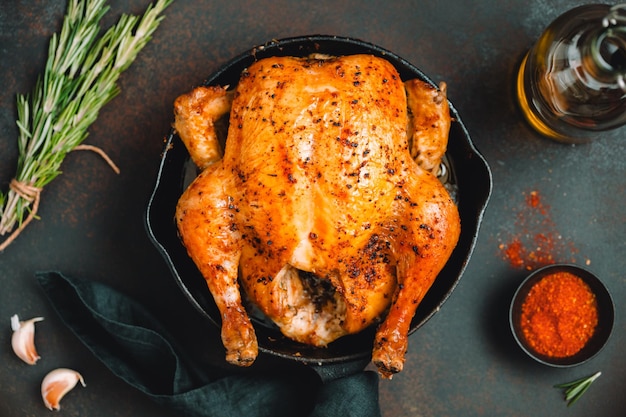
(317, 205)
(429, 123)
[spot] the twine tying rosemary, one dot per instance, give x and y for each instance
(100, 152)
(32, 194)
(29, 193)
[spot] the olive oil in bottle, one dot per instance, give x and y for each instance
(571, 85)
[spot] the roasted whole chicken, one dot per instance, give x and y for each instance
(324, 205)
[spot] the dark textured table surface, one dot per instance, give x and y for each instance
(463, 362)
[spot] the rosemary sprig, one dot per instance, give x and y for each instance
(79, 78)
(575, 389)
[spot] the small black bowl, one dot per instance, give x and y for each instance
(606, 316)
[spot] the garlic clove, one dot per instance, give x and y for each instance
(23, 339)
(58, 383)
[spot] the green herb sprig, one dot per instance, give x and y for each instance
(575, 389)
(79, 78)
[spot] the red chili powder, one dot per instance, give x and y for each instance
(536, 241)
(559, 315)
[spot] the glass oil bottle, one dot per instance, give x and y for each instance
(571, 86)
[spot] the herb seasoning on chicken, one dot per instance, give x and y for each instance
(318, 191)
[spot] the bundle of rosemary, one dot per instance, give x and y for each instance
(79, 78)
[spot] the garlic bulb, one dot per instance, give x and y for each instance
(23, 339)
(58, 383)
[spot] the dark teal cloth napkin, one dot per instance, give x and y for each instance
(123, 335)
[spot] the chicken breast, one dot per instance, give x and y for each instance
(317, 208)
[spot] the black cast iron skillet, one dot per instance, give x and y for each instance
(471, 178)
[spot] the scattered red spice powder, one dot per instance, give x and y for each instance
(559, 315)
(515, 253)
(536, 241)
(533, 199)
